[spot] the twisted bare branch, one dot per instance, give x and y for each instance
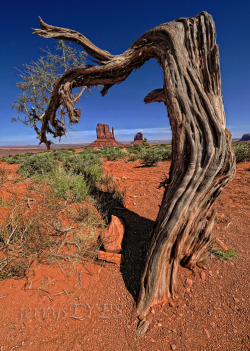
(202, 158)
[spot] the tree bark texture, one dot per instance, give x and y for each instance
(202, 158)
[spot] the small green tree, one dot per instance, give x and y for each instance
(37, 84)
(145, 142)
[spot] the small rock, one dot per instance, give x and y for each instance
(110, 257)
(159, 325)
(207, 332)
(173, 347)
(189, 282)
(112, 235)
(203, 276)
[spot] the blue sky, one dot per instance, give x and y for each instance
(114, 26)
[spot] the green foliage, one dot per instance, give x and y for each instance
(112, 153)
(145, 142)
(68, 186)
(62, 155)
(242, 151)
(15, 159)
(37, 83)
(164, 150)
(225, 255)
(133, 157)
(137, 147)
(38, 165)
(149, 154)
(150, 157)
(87, 165)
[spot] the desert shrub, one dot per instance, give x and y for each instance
(164, 150)
(23, 238)
(38, 165)
(15, 159)
(68, 186)
(145, 142)
(112, 153)
(150, 157)
(242, 151)
(108, 185)
(225, 255)
(129, 148)
(87, 165)
(132, 157)
(89, 150)
(40, 232)
(137, 147)
(3, 174)
(62, 155)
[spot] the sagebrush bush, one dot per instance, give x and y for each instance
(38, 165)
(62, 155)
(150, 157)
(137, 147)
(68, 186)
(132, 157)
(242, 151)
(15, 159)
(164, 150)
(111, 153)
(87, 165)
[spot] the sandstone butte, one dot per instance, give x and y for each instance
(138, 139)
(104, 137)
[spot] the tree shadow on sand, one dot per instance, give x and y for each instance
(136, 239)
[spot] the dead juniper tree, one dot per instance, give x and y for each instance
(202, 158)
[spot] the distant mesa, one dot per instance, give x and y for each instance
(138, 139)
(104, 136)
(245, 137)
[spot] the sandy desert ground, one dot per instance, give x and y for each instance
(91, 306)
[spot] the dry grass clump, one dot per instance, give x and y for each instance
(43, 228)
(58, 213)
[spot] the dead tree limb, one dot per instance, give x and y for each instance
(202, 158)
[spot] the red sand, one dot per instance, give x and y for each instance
(90, 307)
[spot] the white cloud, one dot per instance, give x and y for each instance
(149, 131)
(87, 136)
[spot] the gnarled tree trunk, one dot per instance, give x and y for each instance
(202, 158)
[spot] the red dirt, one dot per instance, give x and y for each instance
(90, 307)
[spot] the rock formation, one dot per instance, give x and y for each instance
(103, 132)
(138, 139)
(112, 235)
(245, 137)
(111, 239)
(104, 136)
